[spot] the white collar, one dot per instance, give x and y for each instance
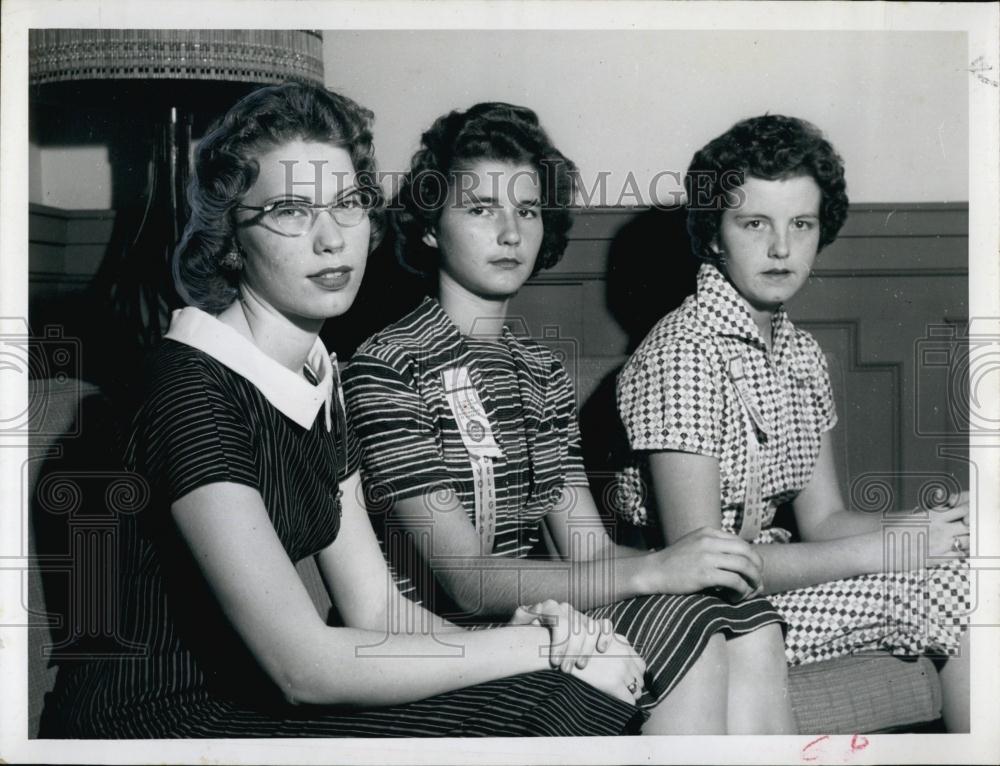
(291, 394)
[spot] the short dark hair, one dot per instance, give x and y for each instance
(486, 131)
(770, 147)
(225, 168)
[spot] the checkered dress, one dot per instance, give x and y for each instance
(675, 394)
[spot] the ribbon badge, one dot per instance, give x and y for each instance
(476, 431)
(469, 413)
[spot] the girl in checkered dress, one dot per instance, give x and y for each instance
(728, 408)
(471, 450)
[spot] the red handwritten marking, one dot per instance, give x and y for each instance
(807, 757)
(858, 742)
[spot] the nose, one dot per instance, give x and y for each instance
(327, 235)
(779, 244)
(510, 230)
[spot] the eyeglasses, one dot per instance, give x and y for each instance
(294, 218)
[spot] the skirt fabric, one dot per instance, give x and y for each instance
(670, 632)
(547, 703)
(924, 611)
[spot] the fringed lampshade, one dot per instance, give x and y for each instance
(258, 56)
(165, 85)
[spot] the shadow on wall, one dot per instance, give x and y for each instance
(650, 273)
(387, 293)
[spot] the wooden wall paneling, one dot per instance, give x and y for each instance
(894, 318)
(867, 436)
(894, 274)
(877, 298)
(65, 251)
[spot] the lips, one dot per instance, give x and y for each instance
(506, 263)
(778, 273)
(332, 279)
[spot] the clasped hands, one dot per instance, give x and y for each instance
(587, 647)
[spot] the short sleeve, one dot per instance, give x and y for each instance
(401, 456)
(818, 373)
(189, 433)
(349, 451)
(669, 398)
(565, 407)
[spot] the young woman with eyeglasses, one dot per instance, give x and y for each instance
(251, 467)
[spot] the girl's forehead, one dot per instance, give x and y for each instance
(800, 192)
(496, 178)
(309, 169)
(487, 167)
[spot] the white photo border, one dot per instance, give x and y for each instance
(980, 22)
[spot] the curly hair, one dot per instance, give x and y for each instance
(769, 147)
(486, 131)
(226, 167)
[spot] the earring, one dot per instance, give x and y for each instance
(233, 259)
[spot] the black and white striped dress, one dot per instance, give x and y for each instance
(411, 446)
(186, 672)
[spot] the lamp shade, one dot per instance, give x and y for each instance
(146, 93)
(261, 56)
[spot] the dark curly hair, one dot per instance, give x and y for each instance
(226, 167)
(770, 147)
(487, 131)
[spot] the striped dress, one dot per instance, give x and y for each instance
(177, 667)
(411, 446)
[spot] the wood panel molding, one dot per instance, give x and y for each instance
(895, 270)
(857, 366)
(934, 242)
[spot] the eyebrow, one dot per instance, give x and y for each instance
(474, 198)
(489, 201)
(761, 215)
(343, 194)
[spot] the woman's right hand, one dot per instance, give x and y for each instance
(708, 558)
(575, 637)
(587, 648)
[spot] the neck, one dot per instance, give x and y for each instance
(762, 318)
(472, 314)
(286, 341)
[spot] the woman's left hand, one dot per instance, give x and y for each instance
(958, 500)
(575, 637)
(950, 520)
(949, 525)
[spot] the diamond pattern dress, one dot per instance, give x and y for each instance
(675, 394)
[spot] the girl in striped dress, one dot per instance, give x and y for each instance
(471, 450)
(251, 466)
